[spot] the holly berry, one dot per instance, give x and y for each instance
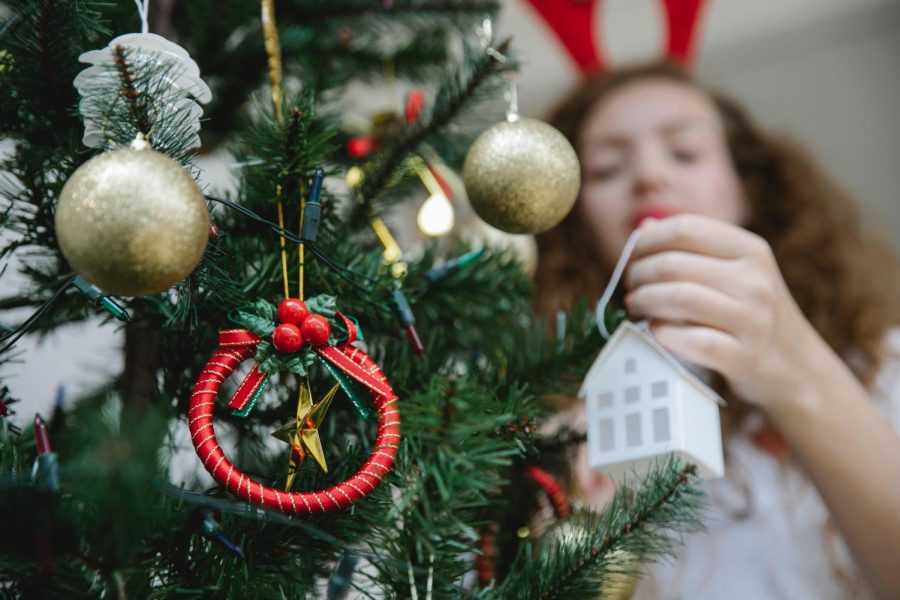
(287, 338)
(316, 329)
(293, 311)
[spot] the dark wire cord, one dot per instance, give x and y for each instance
(255, 217)
(14, 335)
(344, 272)
(9, 25)
(90, 290)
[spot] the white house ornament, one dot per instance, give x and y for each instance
(642, 404)
(522, 176)
(177, 95)
(132, 221)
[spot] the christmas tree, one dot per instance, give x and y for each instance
(422, 435)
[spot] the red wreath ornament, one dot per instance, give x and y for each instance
(238, 345)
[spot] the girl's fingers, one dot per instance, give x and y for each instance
(686, 302)
(677, 265)
(695, 233)
(704, 346)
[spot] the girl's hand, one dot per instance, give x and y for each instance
(715, 297)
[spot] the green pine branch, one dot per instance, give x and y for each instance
(640, 525)
(326, 53)
(283, 155)
(40, 42)
(458, 90)
(448, 469)
(317, 10)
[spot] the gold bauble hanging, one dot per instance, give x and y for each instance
(522, 176)
(132, 222)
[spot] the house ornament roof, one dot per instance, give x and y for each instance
(642, 331)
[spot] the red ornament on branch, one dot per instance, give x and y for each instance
(239, 345)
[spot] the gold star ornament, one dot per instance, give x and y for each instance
(303, 433)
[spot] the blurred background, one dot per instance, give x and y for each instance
(826, 72)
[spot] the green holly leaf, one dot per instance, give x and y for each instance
(295, 364)
(324, 305)
(258, 317)
(264, 350)
(270, 365)
(309, 358)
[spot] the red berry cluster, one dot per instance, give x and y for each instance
(297, 325)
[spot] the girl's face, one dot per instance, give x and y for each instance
(654, 148)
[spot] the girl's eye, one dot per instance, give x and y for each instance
(685, 155)
(604, 173)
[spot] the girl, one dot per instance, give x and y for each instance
(751, 264)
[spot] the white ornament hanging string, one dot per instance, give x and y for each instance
(512, 97)
(600, 314)
(142, 7)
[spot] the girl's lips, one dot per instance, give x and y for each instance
(651, 212)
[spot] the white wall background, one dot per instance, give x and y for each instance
(825, 71)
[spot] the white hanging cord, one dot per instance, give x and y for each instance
(512, 97)
(142, 6)
(600, 314)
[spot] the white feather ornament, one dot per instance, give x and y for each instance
(173, 95)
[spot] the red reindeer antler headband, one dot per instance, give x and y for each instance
(573, 23)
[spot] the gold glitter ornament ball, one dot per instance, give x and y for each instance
(522, 176)
(132, 222)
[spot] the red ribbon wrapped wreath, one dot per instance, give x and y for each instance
(238, 345)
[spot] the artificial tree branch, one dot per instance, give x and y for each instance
(309, 14)
(137, 104)
(638, 522)
(378, 173)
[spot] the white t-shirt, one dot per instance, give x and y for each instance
(783, 545)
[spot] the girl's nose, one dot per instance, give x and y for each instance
(650, 172)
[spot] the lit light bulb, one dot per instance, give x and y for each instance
(354, 177)
(436, 216)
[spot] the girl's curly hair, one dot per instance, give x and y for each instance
(845, 282)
